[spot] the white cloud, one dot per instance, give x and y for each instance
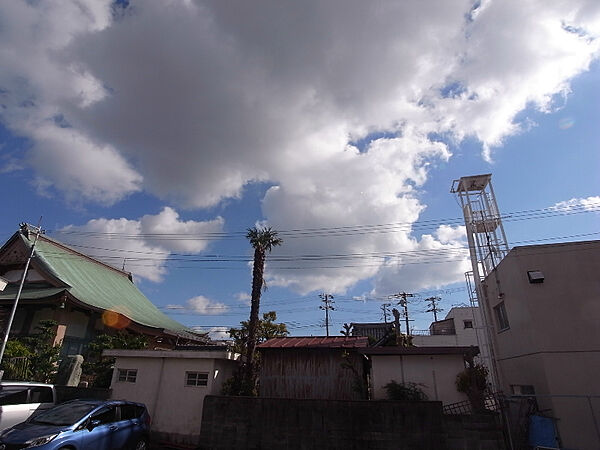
(430, 264)
(243, 297)
(134, 243)
(243, 92)
(587, 204)
(219, 333)
(167, 223)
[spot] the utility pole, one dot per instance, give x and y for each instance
(402, 301)
(24, 229)
(433, 306)
(384, 308)
(327, 305)
(397, 324)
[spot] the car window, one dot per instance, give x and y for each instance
(106, 415)
(64, 414)
(13, 395)
(40, 394)
(128, 412)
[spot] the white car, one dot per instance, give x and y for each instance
(19, 400)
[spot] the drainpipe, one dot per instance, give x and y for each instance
(156, 397)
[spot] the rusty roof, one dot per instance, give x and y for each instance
(317, 342)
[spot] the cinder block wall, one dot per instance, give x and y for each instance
(266, 423)
(276, 423)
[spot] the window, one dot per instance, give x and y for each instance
(106, 415)
(13, 395)
(522, 389)
(40, 394)
(468, 323)
(129, 412)
(128, 375)
(501, 316)
(196, 378)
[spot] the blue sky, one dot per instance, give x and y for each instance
(159, 152)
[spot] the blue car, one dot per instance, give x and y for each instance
(82, 424)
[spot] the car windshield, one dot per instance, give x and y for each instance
(65, 414)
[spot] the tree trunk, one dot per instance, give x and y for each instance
(257, 283)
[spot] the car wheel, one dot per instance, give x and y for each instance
(141, 445)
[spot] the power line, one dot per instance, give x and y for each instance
(344, 230)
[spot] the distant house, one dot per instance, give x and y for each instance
(172, 384)
(462, 326)
(433, 369)
(375, 331)
(83, 295)
(312, 367)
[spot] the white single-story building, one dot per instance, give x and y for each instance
(172, 384)
(434, 369)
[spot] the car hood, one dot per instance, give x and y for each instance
(26, 430)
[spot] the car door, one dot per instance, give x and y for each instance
(14, 408)
(40, 399)
(101, 426)
(125, 433)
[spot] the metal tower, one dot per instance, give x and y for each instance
(487, 243)
(485, 233)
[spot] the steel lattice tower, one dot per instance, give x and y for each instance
(487, 243)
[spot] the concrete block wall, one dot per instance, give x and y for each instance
(253, 423)
(267, 423)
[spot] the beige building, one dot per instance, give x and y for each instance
(543, 308)
(172, 384)
(462, 327)
(434, 369)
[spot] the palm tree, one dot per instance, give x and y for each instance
(262, 240)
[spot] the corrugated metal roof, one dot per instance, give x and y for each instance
(10, 292)
(317, 342)
(99, 285)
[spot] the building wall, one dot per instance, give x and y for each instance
(435, 373)
(309, 373)
(553, 339)
(176, 409)
(463, 336)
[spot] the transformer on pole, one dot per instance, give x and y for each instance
(487, 242)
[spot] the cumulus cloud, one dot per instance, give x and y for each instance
(136, 245)
(217, 333)
(339, 105)
(201, 305)
(587, 204)
(429, 264)
(243, 297)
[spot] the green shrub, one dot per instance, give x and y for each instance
(405, 391)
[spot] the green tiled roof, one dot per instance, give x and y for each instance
(99, 285)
